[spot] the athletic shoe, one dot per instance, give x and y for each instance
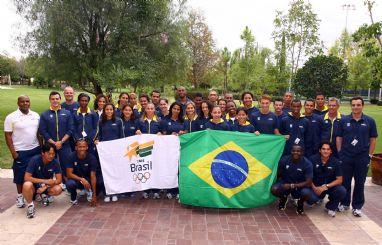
(169, 196)
(75, 202)
(300, 208)
(38, 198)
(50, 198)
(282, 203)
(44, 201)
(177, 197)
(156, 196)
(295, 202)
(20, 201)
(342, 208)
(89, 196)
(114, 198)
(63, 186)
(106, 199)
(145, 195)
(332, 213)
(31, 211)
(357, 212)
(82, 192)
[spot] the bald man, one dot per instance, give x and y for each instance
(20, 129)
(182, 97)
(287, 101)
(70, 104)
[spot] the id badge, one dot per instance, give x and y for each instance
(84, 134)
(354, 142)
(296, 141)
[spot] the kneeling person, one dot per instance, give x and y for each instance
(81, 172)
(294, 177)
(42, 176)
(327, 179)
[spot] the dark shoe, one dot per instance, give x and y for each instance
(282, 203)
(300, 208)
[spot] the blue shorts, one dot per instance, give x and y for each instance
(21, 162)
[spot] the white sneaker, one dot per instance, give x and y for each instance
(145, 195)
(89, 196)
(106, 199)
(342, 208)
(82, 192)
(332, 213)
(169, 196)
(38, 198)
(63, 186)
(357, 212)
(75, 202)
(20, 201)
(177, 197)
(50, 199)
(114, 198)
(31, 211)
(156, 196)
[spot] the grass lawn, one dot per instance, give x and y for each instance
(39, 103)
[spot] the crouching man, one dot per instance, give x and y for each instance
(295, 178)
(81, 172)
(42, 177)
(327, 179)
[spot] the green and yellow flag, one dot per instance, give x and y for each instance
(223, 169)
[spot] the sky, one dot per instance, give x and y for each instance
(227, 19)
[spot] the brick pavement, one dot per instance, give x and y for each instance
(137, 221)
(373, 204)
(7, 194)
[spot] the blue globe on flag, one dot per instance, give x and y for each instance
(229, 169)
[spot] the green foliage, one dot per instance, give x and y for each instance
(223, 66)
(360, 73)
(202, 50)
(107, 43)
(9, 66)
(251, 68)
(344, 47)
(296, 34)
(327, 74)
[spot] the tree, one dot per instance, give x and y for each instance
(251, 67)
(201, 47)
(282, 71)
(327, 74)
(9, 66)
(224, 66)
(88, 42)
(299, 30)
(360, 73)
(368, 37)
(344, 47)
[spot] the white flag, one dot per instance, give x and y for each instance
(139, 163)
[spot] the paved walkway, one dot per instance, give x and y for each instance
(137, 221)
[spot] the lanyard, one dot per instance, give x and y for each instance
(57, 136)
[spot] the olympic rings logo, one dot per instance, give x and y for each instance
(141, 177)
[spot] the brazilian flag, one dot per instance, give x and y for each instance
(223, 169)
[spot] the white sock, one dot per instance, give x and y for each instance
(31, 204)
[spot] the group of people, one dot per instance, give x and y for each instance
(324, 149)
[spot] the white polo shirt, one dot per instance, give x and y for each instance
(24, 129)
